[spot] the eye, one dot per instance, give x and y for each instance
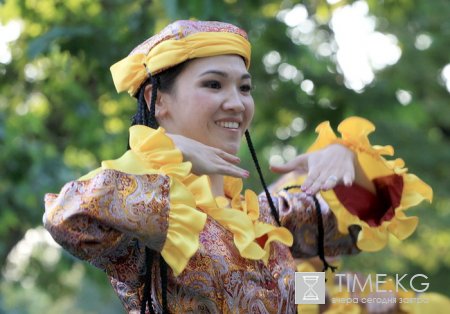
(246, 88)
(212, 84)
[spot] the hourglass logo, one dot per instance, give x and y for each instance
(309, 288)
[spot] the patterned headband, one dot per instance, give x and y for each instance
(176, 43)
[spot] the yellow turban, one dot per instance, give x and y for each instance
(176, 43)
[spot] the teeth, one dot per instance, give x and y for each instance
(228, 125)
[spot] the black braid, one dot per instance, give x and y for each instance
(163, 274)
(263, 182)
(142, 115)
(151, 121)
(146, 117)
(147, 294)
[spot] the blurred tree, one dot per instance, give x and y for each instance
(60, 115)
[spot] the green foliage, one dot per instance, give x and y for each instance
(60, 116)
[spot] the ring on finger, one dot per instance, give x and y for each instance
(332, 178)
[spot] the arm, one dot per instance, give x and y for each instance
(97, 219)
(140, 196)
(368, 191)
(334, 160)
(298, 213)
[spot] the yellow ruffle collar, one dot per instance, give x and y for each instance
(153, 152)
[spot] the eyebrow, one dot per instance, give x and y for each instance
(224, 74)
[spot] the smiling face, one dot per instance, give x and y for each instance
(211, 102)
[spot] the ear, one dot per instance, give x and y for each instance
(160, 103)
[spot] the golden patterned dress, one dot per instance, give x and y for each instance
(226, 254)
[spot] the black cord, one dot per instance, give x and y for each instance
(292, 187)
(321, 238)
(263, 182)
(320, 231)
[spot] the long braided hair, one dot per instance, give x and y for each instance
(164, 82)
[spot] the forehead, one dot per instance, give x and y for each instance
(229, 64)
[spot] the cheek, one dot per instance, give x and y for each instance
(203, 104)
(190, 104)
(199, 98)
(250, 111)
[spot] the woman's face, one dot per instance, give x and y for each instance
(211, 102)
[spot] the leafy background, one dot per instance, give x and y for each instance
(60, 116)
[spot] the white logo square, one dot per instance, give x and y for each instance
(309, 288)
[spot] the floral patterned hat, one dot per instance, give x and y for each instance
(176, 43)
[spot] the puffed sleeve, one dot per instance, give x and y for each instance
(94, 219)
(140, 196)
(299, 214)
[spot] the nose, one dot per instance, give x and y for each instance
(233, 101)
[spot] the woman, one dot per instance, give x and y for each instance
(174, 198)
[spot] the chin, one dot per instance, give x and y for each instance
(233, 150)
(227, 146)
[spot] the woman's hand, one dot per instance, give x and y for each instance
(325, 168)
(206, 159)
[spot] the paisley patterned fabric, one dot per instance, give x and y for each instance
(191, 201)
(183, 28)
(226, 254)
(94, 219)
(110, 218)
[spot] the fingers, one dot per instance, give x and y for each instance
(348, 179)
(311, 182)
(208, 160)
(329, 167)
(326, 181)
(227, 165)
(329, 183)
(328, 178)
(299, 163)
(281, 168)
(228, 157)
(232, 170)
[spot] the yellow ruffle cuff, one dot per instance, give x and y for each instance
(251, 236)
(152, 152)
(410, 189)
